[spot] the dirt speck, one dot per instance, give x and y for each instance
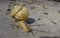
(12, 25)
(8, 11)
(45, 13)
(33, 7)
(59, 11)
(0, 9)
(5, 19)
(43, 6)
(12, 0)
(55, 3)
(18, 27)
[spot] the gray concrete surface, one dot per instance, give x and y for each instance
(44, 15)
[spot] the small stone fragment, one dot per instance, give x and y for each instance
(38, 19)
(53, 22)
(8, 10)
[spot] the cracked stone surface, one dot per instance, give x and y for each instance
(44, 15)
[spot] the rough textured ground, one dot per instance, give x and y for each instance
(44, 18)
